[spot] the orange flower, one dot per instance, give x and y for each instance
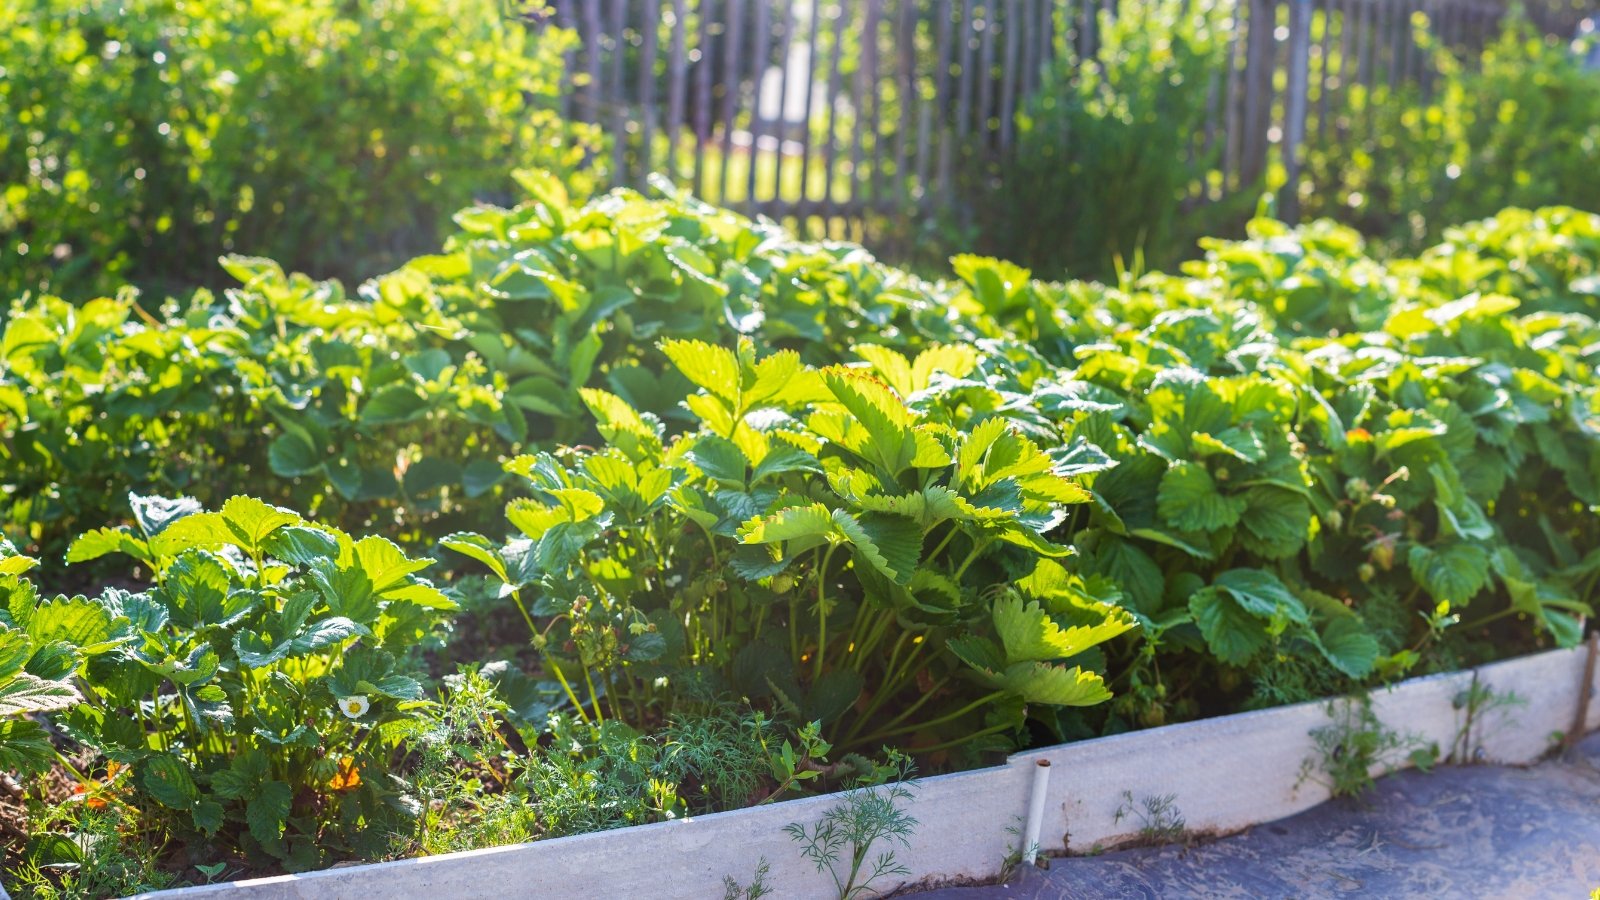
(348, 778)
(1358, 434)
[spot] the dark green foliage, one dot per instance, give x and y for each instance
(144, 138)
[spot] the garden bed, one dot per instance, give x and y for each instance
(1221, 775)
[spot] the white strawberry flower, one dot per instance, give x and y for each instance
(354, 707)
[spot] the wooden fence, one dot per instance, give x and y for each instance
(827, 113)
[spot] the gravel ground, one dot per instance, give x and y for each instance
(1475, 831)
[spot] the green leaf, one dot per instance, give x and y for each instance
(1234, 634)
(1038, 682)
(1028, 633)
(479, 548)
(168, 780)
(105, 541)
(25, 746)
(707, 365)
(1276, 522)
(832, 694)
(24, 693)
(809, 524)
(891, 544)
(266, 812)
(290, 456)
(385, 564)
(197, 591)
(1346, 644)
(250, 521)
(430, 474)
(79, 621)
(395, 403)
(154, 514)
(1453, 573)
(301, 544)
(1188, 498)
(480, 476)
(891, 443)
(720, 459)
(1263, 595)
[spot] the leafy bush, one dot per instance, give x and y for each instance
(150, 137)
(405, 396)
(1106, 151)
(950, 517)
(255, 689)
(1515, 125)
(816, 542)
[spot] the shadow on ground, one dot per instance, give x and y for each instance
(1474, 831)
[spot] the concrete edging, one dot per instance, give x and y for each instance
(1224, 774)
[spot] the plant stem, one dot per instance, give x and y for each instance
(555, 668)
(932, 723)
(1492, 617)
(594, 699)
(977, 548)
(822, 611)
(993, 729)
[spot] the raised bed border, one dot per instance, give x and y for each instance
(1224, 774)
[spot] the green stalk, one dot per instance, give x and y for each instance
(912, 709)
(822, 611)
(1492, 617)
(972, 557)
(949, 535)
(594, 699)
(555, 667)
(944, 719)
(994, 729)
(516, 597)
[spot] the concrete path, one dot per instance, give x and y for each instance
(1460, 832)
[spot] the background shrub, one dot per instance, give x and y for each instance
(1517, 125)
(145, 138)
(1106, 151)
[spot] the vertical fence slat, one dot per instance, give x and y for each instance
(906, 88)
(922, 158)
(566, 19)
(613, 94)
(1258, 86)
(730, 93)
(704, 69)
(813, 11)
(984, 84)
(841, 21)
(780, 203)
(864, 178)
(592, 44)
(967, 37)
(649, 38)
(677, 86)
(1295, 105)
(760, 43)
(1233, 104)
(1008, 83)
(941, 91)
(1324, 62)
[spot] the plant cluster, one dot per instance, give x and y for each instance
(1510, 124)
(144, 139)
(1109, 166)
(758, 502)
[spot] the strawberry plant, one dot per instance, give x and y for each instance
(256, 688)
(37, 657)
(815, 542)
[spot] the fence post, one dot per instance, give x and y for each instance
(1294, 131)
